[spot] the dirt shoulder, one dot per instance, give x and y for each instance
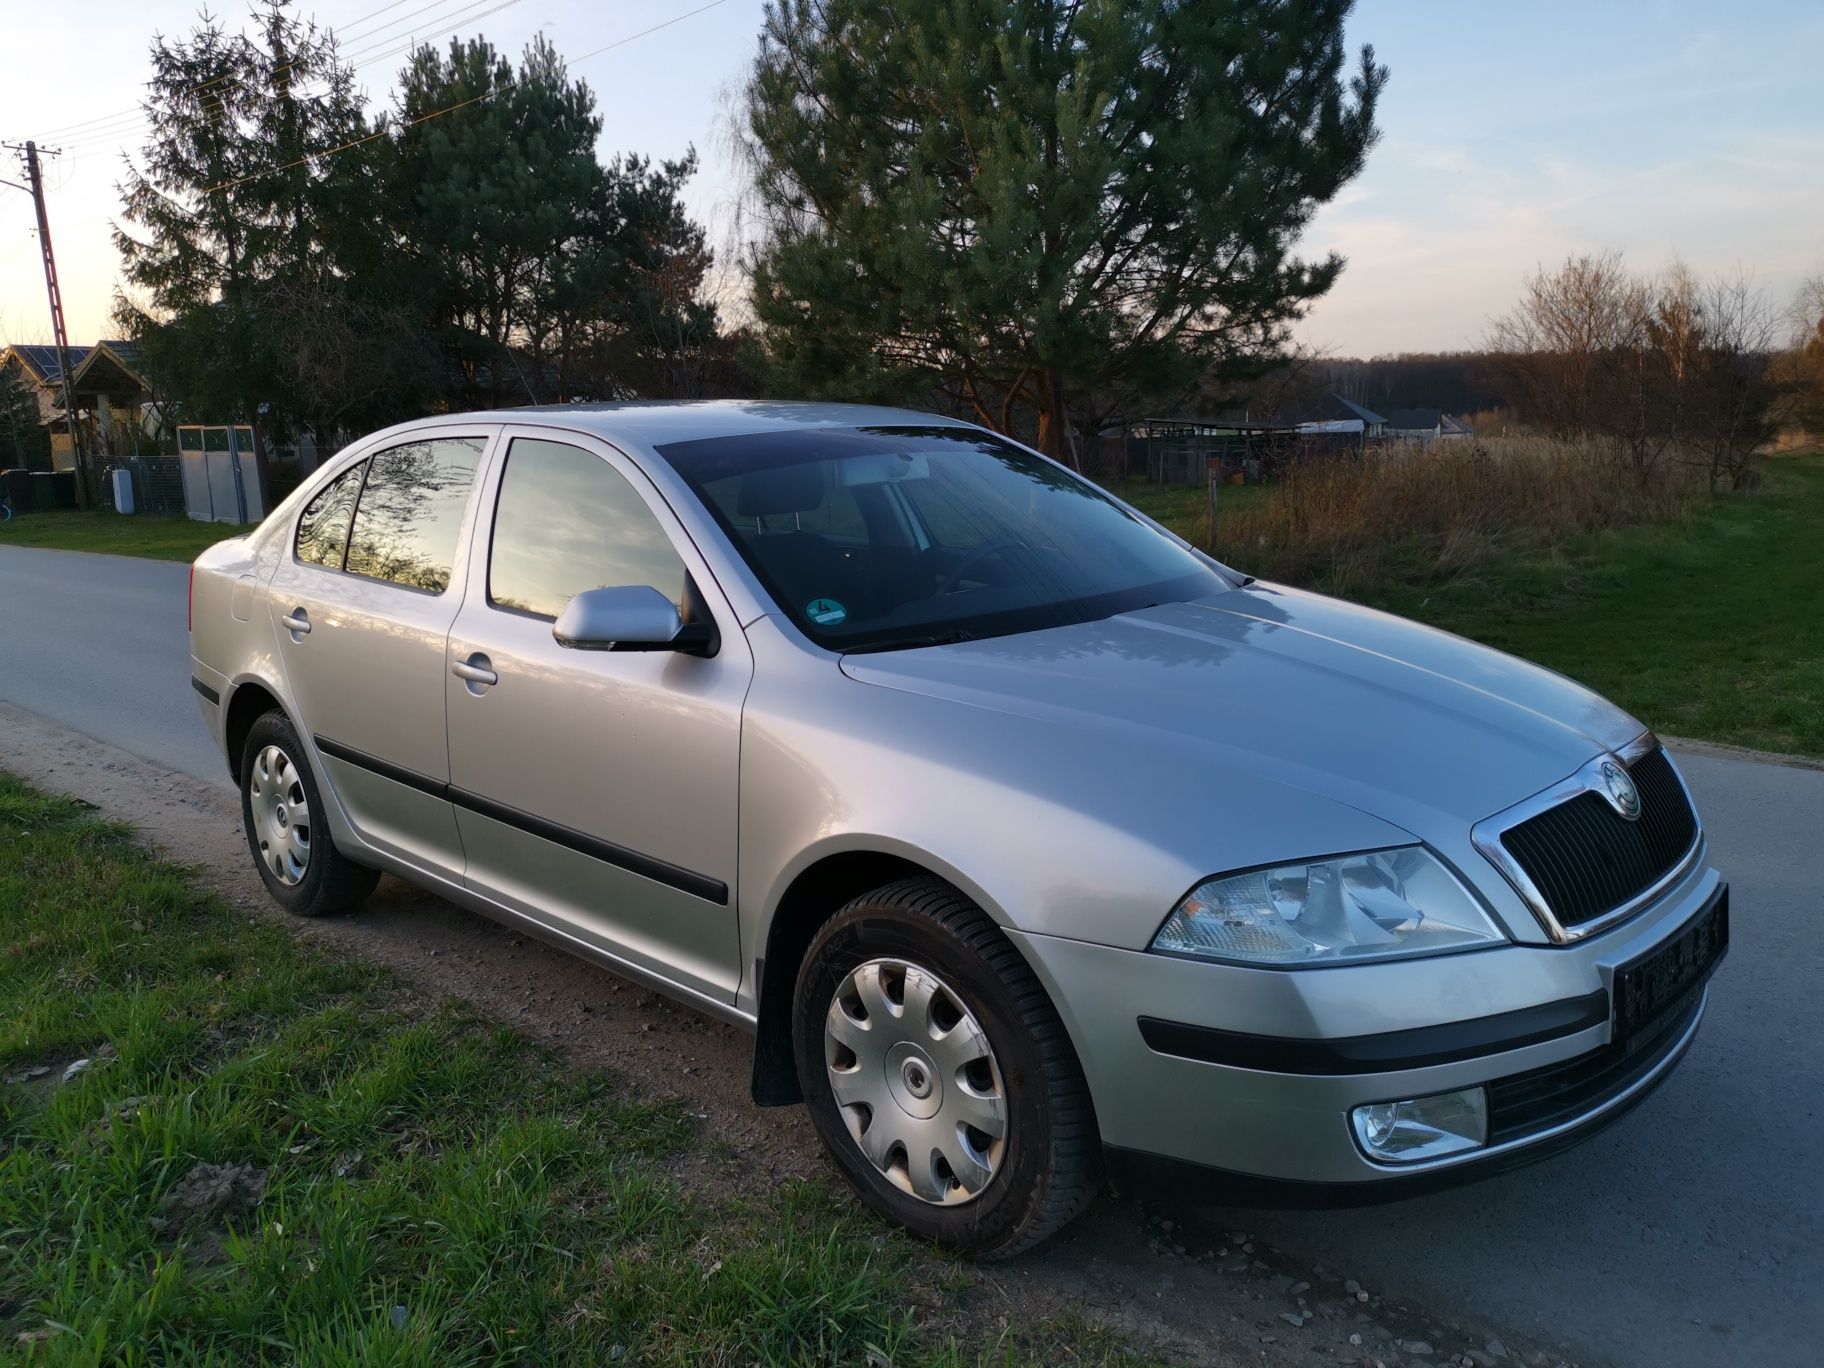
(1188, 1285)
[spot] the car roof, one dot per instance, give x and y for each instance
(653, 423)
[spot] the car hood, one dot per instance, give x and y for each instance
(1410, 724)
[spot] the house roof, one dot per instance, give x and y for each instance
(1416, 419)
(1367, 415)
(1328, 408)
(40, 358)
(124, 356)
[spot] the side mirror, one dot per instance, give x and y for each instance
(629, 617)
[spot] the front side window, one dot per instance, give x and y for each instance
(410, 512)
(323, 526)
(567, 521)
(878, 538)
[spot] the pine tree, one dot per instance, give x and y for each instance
(227, 206)
(499, 202)
(652, 332)
(521, 241)
(1045, 207)
(25, 443)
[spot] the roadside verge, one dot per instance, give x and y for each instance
(1176, 1283)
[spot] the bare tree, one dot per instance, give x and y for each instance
(1556, 350)
(1650, 370)
(1718, 340)
(1802, 364)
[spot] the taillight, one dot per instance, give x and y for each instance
(190, 601)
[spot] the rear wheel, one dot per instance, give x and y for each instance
(938, 1074)
(282, 811)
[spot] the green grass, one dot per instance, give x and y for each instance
(437, 1191)
(1711, 628)
(156, 536)
(1186, 508)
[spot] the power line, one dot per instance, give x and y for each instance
(371, 14)
(117, 140)
(363, 57)
(215, 80)
(394, 23)
(122, 123)
(383, 131)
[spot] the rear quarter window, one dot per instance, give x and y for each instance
(323, 526)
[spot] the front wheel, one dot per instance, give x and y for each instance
(282, 811)
(938, 1074)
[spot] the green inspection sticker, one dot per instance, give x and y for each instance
(826, 612)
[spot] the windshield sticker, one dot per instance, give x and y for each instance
(826, 612)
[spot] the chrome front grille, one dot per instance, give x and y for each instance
(1578, 860)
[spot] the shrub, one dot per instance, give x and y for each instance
(1424, 511)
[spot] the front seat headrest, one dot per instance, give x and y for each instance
(782, 489)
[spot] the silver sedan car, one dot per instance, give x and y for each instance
(1031, 844)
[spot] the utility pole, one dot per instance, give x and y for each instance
(60, 334)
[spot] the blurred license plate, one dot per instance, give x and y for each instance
(1646, 989)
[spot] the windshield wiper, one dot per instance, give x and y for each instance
(912, 640)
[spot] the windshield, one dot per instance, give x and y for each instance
(880, 538)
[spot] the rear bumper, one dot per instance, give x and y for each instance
(1249, 1076)
(212, 688)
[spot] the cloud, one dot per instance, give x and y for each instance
(1439, 240)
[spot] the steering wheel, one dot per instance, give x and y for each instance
(988, 550)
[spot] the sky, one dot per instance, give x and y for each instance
(1513, 134)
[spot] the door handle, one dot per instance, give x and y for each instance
(297, 621)
(475, 670)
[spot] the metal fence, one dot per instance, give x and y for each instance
(1192, 458)
(158, 484)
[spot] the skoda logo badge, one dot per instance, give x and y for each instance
(1619, 789)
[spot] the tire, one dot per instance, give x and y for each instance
(307, 876)
(915, 1103)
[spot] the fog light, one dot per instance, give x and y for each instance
(1423, 1127)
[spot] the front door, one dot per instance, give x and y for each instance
(362, 604)
(596, 791)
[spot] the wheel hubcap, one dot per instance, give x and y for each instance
(915, 1080)
(281, 815)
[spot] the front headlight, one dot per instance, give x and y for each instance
(1376, 905)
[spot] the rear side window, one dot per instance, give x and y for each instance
(323, 528)
(410, 512)
(567, 521)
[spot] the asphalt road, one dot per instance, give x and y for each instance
(100, 644)
(1691, 1233)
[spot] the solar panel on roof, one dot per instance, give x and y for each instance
(42, 357)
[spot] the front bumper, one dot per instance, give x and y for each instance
(1251, 1074)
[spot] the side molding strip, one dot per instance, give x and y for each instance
(206, 691)
(386, 769)
(1422, 1047)
(633, 861)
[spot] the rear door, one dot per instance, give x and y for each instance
(596, 791)
(362, 607)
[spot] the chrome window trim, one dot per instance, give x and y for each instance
(1486, 836)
